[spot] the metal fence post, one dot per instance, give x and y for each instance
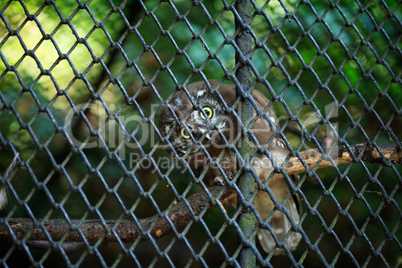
(246, 181)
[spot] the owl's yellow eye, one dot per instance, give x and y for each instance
(208, 111)
(184, 133)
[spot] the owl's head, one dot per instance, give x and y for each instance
(193, 119)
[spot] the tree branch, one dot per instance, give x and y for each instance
(181, 213)
(127, 230)
(342, 155)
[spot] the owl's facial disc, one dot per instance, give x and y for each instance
(200, 128)
(205, 123)
(209, 118)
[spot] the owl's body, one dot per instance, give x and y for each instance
(202, 132)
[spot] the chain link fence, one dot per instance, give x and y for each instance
(84, 165)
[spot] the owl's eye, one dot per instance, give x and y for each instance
(208, 111)
(184, 133)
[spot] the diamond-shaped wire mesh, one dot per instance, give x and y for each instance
(82, 86)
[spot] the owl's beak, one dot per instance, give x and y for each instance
(208, 135)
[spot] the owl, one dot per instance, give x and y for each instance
(201, 128)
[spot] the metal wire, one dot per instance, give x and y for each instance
(81, 88)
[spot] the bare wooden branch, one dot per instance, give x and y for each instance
(341, 155)
(127, 230)
(180, 214)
